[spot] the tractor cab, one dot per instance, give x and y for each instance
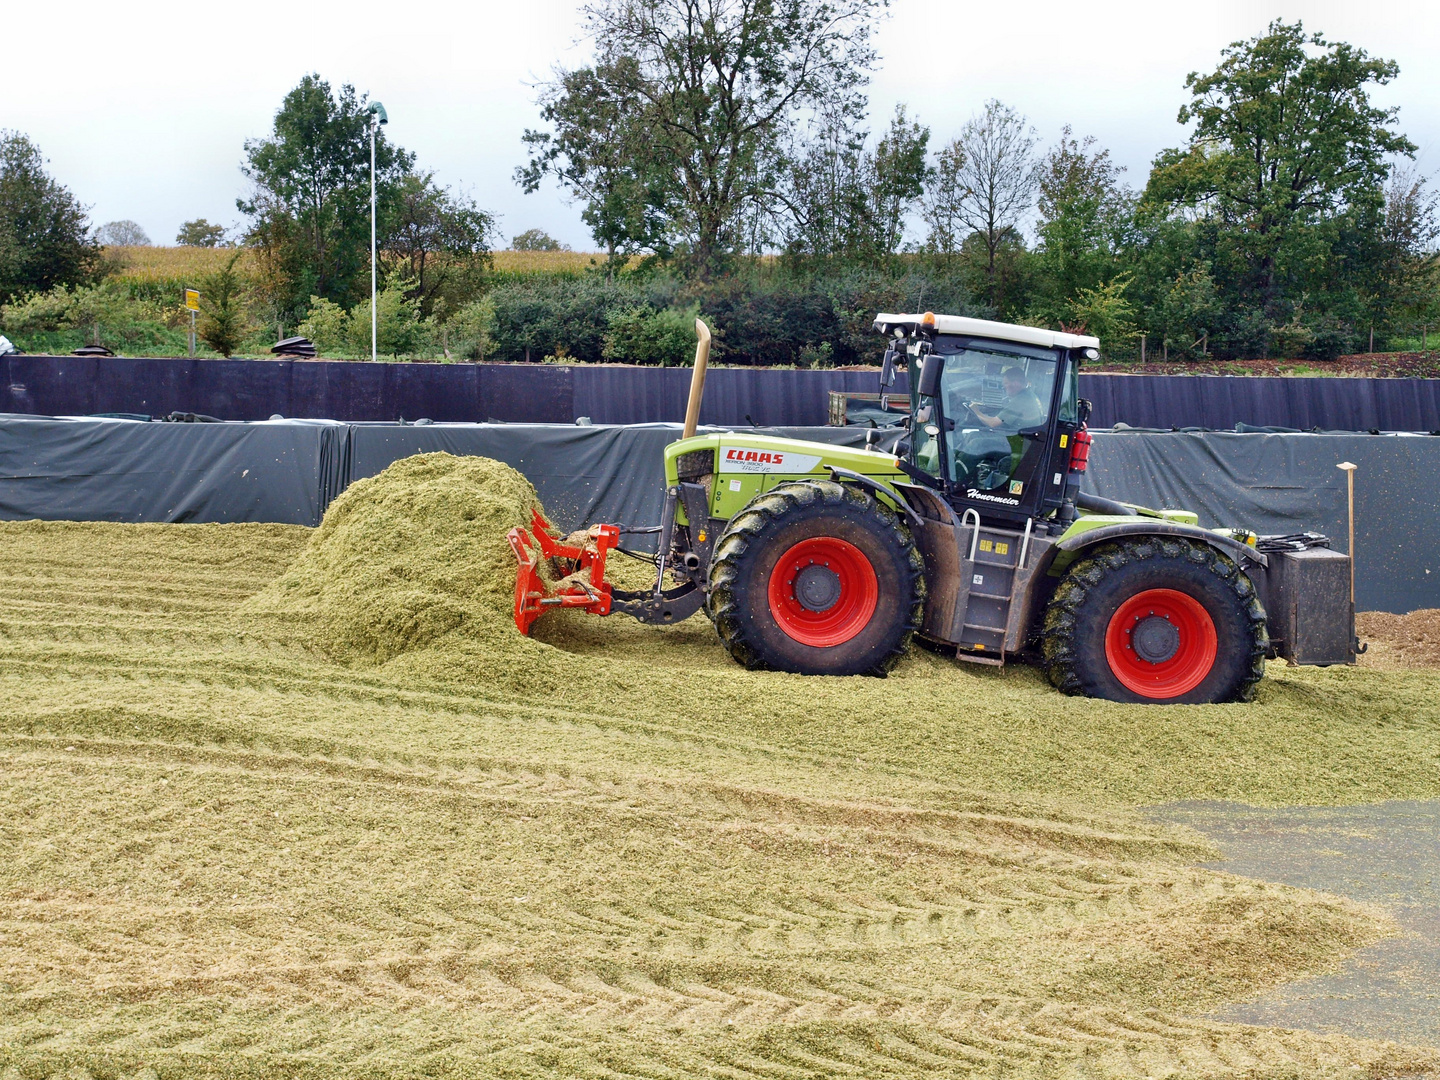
(994, 411)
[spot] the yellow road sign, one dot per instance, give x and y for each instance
(192, 299)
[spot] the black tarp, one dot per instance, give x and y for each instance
(615, 394)
(124, 470)
(1290, 483)
(287, 471)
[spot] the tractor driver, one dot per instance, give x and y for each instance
(1021, 409)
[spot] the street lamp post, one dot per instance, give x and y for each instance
(377, 117)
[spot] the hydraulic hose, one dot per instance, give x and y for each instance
(1098, 505)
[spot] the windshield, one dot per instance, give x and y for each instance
(994, 398)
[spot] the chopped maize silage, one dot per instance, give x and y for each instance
(229, 856)
(409, 556)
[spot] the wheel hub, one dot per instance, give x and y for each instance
(817, 587)
(1155, 639)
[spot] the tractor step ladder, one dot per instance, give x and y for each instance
(994, 556)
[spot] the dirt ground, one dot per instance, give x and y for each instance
(1400, 641)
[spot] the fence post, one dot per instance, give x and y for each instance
(1142, 348)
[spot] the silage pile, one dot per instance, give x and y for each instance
(411, 557)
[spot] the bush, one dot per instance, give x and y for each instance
(471, 330)
(400, 329)
(558, 318)
(224, 322)
(641, 335)
(327, 325)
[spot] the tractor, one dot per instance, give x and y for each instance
(973, 537)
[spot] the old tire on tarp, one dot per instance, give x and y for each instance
(819, 578)
(1156, 620)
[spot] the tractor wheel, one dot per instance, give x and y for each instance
(817, 578)
(1158, 620)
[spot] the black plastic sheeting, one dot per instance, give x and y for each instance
(123, 470)
(1290, 483)
(288, 471)
(613, 394)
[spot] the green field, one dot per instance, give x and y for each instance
(231, 852)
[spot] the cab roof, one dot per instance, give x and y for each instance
(960, 324)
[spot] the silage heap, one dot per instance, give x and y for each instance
(416, 559)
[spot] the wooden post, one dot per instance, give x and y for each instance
(1165, 349)
(1142, 348)
(1349, 469)
(1372, 338)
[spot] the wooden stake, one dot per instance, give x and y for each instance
(1349, 469)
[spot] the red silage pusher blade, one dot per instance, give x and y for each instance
(533, 596)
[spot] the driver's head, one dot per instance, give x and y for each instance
(1015, 381)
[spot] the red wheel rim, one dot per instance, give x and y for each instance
(1161, 643)
(823, 591)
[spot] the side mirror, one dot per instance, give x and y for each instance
(1083, 409)
(930, 375)
(887, 368)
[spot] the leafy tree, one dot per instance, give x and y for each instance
(44, 232)
(985, 183)
(1406, 282)
(1084, 221)
(1283, 175)
(122, 234)
(309, 206)
(847, 201)
(437, 240)
(702, 94)
(601, 152)
(536, 240)
(200, 233)
(223, 320)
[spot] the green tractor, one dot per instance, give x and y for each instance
(973, 536)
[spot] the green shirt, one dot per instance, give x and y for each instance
(1021, 410)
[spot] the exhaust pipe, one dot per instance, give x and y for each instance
(697, 378)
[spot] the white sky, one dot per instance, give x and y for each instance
(142, 108)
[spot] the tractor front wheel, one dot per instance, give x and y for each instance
(1157, 620)
(817, 578)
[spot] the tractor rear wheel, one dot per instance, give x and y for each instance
(818, 578)
(1158, 620)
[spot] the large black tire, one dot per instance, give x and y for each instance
(1124, 593)
(827, 535)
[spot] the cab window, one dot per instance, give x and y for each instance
(993, 401)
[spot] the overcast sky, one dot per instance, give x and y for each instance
(143, 108)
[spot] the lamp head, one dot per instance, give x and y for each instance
(378, 111)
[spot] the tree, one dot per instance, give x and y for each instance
(536, 240)
(843, 200)
(437, 241)
(200, 233)
(122, 234)
(223, 322)
(1405, 282)
(309, 207)
(44, 231)
(1084, 218)
(601, 153)
(985, 185)
(1286, 155)
(703, 93)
